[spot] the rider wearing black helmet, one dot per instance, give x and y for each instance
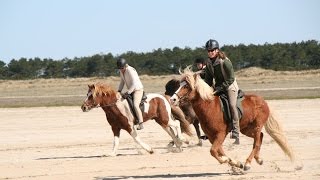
(130, 77)
(201, 64)
(220, 68)
(121, 63)
(212, 44)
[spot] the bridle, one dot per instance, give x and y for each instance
(98, 105)
(107, 105)
(185, 96)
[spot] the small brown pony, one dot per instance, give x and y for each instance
(119, 116)
(208, 109)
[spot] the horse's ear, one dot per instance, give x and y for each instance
(91, 86)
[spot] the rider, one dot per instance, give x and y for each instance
(225, 81)
(130, 77)
(201, 65)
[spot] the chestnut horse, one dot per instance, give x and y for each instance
(119, 116)
(208, 109)
(184, 111)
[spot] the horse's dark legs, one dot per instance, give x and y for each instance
(197, 128)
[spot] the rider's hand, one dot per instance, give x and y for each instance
(218, 89)
(125, 95)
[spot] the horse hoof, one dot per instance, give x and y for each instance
(151, 151)
(240, 165)
(246, 167)
(259, 161)
(199, 143)
(171, 144)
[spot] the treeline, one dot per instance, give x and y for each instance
(279, 56)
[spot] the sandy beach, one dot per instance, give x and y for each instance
(66, 143)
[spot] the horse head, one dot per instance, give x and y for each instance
(191, 85)
(89, 102)
(99, 95)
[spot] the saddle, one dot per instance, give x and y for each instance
(141, 106)
(226, 108)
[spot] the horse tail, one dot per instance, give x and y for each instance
(274, 129)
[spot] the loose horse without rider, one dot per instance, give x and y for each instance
(119, 115)
(256, 115)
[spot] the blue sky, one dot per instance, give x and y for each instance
(76, 28)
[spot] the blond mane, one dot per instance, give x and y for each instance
(196, 83)
(102, 89)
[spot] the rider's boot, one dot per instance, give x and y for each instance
(235, 132)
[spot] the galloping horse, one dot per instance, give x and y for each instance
(119, 116)
(208, 109)
(184, 111)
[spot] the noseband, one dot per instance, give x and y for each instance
(98, 105)
(184, 97)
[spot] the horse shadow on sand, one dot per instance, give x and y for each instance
(164, 176)
(126, 152)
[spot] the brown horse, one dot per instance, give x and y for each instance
(184, 111)
(208, 109)
(119, 116)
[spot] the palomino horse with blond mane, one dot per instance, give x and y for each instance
(208, 109)
(119, 115)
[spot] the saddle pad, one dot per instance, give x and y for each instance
(226, 108)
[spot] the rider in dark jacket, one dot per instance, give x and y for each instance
(219, 69)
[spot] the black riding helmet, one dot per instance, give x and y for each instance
(121, 63)
(199, 60)
(212, 44)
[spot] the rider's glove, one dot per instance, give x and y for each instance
(125, 95)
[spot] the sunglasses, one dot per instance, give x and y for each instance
(211, 50)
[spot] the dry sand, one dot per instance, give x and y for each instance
(65, 143)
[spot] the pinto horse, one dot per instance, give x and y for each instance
(208, 109)
(119, 116)
(184, 111)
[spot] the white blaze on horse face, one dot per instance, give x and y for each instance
(175, 98)
(88, 95)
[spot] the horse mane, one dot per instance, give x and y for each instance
(196, 82)
(102, 90)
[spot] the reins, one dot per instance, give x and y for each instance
(108, 105)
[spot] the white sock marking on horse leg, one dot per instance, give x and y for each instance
(115, 146)
(138, 141)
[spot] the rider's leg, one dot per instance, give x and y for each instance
(232, 95)
(137, 96)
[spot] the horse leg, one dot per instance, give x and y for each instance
(197, 128)
(176, 130)
(257, 155)
(116, 135)
(142, 144)
(218, 152)
(115, 146)
(176, 141)
(257, 140)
